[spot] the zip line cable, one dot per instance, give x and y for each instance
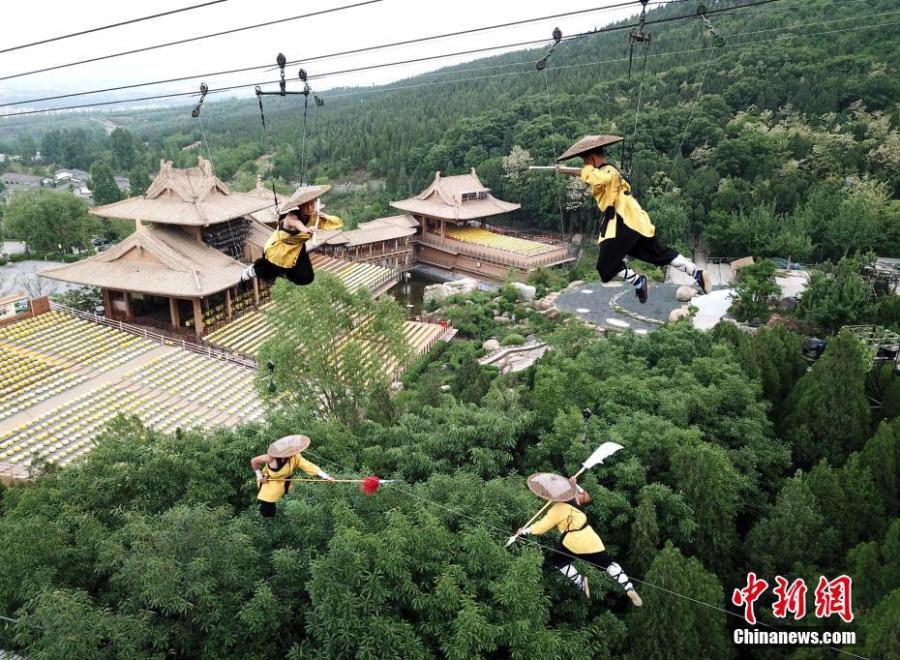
(333, 55)
(572, 37)
(503, 533)
(425, 84)
(267, 67)
(191, 39)
(130, 21)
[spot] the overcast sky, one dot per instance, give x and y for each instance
(383, 22)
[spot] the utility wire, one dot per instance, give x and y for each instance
(130, 21)
(339, 54)
(439, 82)
(190, 39)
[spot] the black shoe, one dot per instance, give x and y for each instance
(702, 280)
(641, 288)
(244, 286)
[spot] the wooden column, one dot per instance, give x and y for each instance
(228, 304)
(173, 313)
(256, 291)
(129, 312)
(198, 317)
(443, 230)
(107, 303)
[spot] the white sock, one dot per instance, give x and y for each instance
(570, 572)
(628, 275)
(248, 273)
(684, 265)
(616, 573)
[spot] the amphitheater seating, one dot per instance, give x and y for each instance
(168, 392)
(48, 354)
(353, 274)
(489, 239)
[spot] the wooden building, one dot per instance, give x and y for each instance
(179, 269)
(452, 214)
(387, 241)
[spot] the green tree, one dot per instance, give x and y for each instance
(123, 151)
(836, 299)
(103, 185)
(755, 292)
(331, 346)
(667, 627)
(46, 219)
(827, 414)
(470, 380)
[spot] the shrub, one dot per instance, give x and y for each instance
(513, 340)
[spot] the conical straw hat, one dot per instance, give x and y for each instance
(553, 487)
(288, 446)
(301, 196)
(589, 143)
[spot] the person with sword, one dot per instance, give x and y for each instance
(625, 228)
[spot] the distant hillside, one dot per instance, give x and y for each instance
(739, 136)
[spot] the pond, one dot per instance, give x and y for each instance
(410, 291)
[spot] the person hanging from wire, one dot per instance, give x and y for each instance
(285, 254)
(274, 469)
(625, 229)
(578, 540)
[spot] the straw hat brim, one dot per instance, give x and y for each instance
(589, 143)
(552, 487)
(301, 196)
(289, 445)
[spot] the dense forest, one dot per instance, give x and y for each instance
(739, 455)
(737, 458)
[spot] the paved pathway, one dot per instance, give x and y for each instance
(595, 302)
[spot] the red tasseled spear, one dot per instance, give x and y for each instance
(368, 485)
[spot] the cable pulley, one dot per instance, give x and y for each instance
(718, 39)
(557, 37)
(203, 91)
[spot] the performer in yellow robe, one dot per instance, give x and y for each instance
(275, 467)
(285, 254)
(625, 228)
(578, 540)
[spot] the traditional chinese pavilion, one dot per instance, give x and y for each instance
(179, 269)
(453, 232)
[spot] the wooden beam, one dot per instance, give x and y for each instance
(173, 313)
(198, 317)
(129, 311)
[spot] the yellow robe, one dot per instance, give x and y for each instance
(283, 248)
(609, 188)
(272, 491)
(564, 517)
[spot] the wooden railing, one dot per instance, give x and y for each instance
(164, 338)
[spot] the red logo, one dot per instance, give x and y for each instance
(791, 599)
(834, 598)
(749, 595)
(831, 596)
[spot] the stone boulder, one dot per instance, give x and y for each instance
(436, 292)
(685, 293)
(464, 285)
(491, 345)
(524, 292)
(678, 314)
(502, 320)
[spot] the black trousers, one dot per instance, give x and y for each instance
(628, 242)
(301, 274)
(267, 509)
(564, 557)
